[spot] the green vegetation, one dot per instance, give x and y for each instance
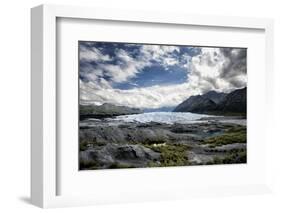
(171, 154)
(120, 166)
(232, 135)
(155, 140)
(83, 146)
(241, 129)
(234, 156)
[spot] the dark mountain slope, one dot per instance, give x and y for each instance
(216, 103)
(215, 96)
(235, 102)
(198, 104)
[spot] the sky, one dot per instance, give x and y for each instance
(151, 76)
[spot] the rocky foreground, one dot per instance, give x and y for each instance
(137, 145)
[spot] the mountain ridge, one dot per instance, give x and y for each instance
(216, 103)
(105, 110)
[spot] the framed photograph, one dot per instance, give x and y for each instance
(151, 105)
(129, 106)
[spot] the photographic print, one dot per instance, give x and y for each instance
(152, 105)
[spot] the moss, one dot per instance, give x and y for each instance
(170, 155)
(232, 135)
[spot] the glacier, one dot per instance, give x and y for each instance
(162, 117)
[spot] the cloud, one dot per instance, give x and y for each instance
(92, 54)
(235, 62)
(127, 67)
(164, 55)
(148, 97)
(95, 65)
(220, 69)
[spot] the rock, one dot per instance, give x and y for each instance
(123, 135)
(122, 155)
(135, 152)
(227, 147)
(181, 128)
(121, 146)
(195, 158)
(206, 155)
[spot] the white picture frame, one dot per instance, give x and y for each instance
(44, 155)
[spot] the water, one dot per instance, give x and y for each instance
(161, 117)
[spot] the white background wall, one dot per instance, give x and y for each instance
(15, 103)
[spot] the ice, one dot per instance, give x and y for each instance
(162, 117)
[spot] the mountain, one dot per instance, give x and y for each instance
(216, 103)
(105, 110)
(215, 96)
(198, 104)
(235, 102)
(161, 109)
